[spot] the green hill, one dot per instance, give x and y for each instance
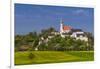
(40, 57)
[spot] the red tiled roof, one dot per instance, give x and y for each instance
(66, 28)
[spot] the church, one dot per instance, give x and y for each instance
(74, 33)
(65, 31)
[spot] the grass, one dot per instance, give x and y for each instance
(40, 57)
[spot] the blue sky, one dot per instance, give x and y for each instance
(30, 18)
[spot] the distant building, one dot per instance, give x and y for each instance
(65, 31)
(69, 31)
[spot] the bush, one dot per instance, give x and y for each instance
(31, 56)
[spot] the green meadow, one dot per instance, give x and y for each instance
(41, 57)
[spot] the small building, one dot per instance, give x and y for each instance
(69, 31)
(65, 31)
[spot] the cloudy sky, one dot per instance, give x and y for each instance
(30, 18)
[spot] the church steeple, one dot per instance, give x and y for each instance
(61, 21)
(61, 26)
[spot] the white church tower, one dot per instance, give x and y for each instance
(61, 26)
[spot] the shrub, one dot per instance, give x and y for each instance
(31, 56)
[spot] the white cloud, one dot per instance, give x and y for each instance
(79, 11)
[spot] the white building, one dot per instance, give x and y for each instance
(65, 31)
(69, 31)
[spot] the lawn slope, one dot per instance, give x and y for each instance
(40, 57)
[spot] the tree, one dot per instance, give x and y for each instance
(18, 42)
(35, 43)
(31, 56)
(25, 41)
(90, 40)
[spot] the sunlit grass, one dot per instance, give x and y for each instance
(41, 57)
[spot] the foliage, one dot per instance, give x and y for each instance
(56, 43)
(31, 56)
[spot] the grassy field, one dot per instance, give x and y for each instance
(40, 57)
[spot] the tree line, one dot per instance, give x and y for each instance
(30, 42)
